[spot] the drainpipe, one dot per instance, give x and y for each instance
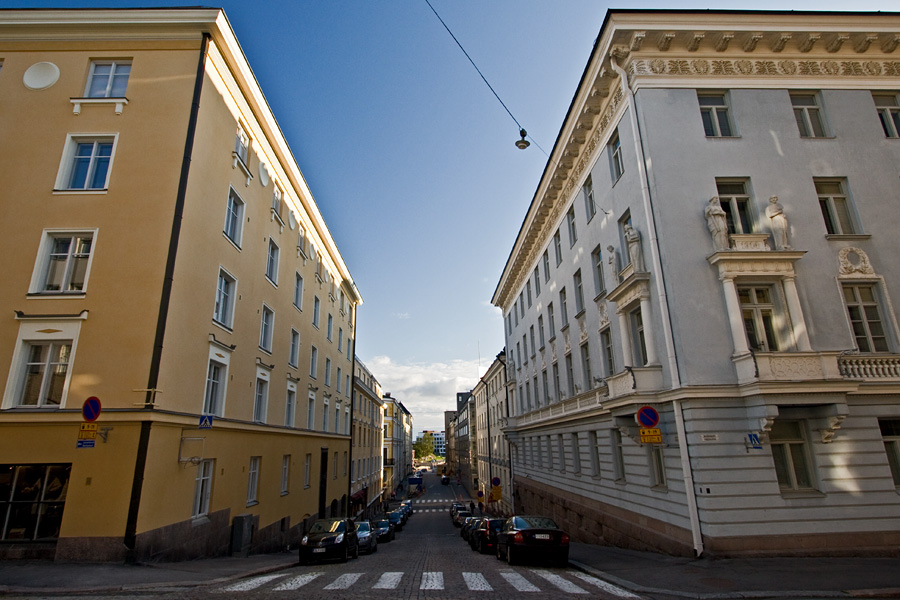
(653, 244)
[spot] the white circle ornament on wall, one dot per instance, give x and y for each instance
(263, 174)
(40, 76)
(292, 220)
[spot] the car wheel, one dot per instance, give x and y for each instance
(345, 555)
(356, 551)
(509, 556)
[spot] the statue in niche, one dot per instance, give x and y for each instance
(613, 263)
(717, 223)
(635, 254)
(779, 224)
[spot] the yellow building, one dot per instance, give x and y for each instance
(167, 261)
(366, 461)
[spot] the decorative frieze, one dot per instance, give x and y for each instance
(765, 67)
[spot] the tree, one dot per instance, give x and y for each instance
(424, 446)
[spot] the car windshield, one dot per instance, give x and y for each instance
(383, 523)
(534, 523)
(327, 527)
(496, 524)
(363, 528)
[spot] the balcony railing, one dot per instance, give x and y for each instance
(870, 367)
(589, 400)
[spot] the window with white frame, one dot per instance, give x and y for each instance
(285, 474)
(330, 328)
(531, 336)
(570, 377)
(866, 319)
(202, 488)
(837, 210)
(545, 381)
(790, 453)
(608, 357)
(337, 417)
(272, 262)
(579, 292)
(758, 309)
(617, 164)
(888, 107)
(266, 327)
(618, 454)
(325, 415)
(316, 308)
(234, 217)
(586, 366)
(86, 163)
(213, 399)
(551, 320)
(313, 361)
(290, 405)
(557, 247)
(108, 79)
(328, 372)
(46, 373)
(242, 145)
(890, 433)
(563, 310)
(714, 113)
(338, 381)
(63, 263)
(657, 466)
(570, 224)
(340, 339)
(537, 283)
(590, 208)
(294, 354)
(637, 335)
(277, 195)
(597, 267)
(808, 114)
(735, 201)
(225, 295)
(260, 400)
(311, 410)
(307, 467)
(298, 291)
(541, 331)
(253, 480)
(546, 260)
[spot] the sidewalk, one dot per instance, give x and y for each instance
(643, 573)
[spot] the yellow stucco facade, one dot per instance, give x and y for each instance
(123, 285)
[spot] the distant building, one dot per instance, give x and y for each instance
(492, 447)
(366, 468)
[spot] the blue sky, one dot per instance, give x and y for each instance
(411, 158)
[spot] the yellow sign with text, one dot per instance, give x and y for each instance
(652, 435)
(88, 431)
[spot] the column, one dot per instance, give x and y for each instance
(625, 339)
(733, 305)
(649, 336)
(796, 315)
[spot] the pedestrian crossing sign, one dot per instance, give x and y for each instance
(206, 422)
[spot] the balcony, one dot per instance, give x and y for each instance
(635, 380)
(588, 401)
(882, 367)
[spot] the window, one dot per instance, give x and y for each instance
(714, 113)
(46, 371)
(637, 332)
(311, 411)
(528, 292)
(290, 407)
(272, 262)
(758, 312)
(313, 360)
(334, 466)
(618, 454)
(570, 377)
(789, 453)
(234, 217)
(330, 328)
(590, 208)
(537, 283)
(735, 202)
(546, 386)
(579, 292)
(570, 223)
(325, 416)
(808, 114)
(316, 306)
(563, 312)
(86, 163)
(865, 318)
(525, 346)
(606, 344)
(522, 303)
(337, 381)
(242, 145)
(224, 311)
(328, 372)
(531, 332)
(551, 321)
(306, 470)
(215, 389)
(657, 467)
(340, 339)
(267, 325)
(285, 473)
(617, 165)
(276, 201)
(64, 261)
(253, 480)
(597, 264)
(107, 79)
(294, 355)
(593, 446)
(557, 247)
(835, 207)
(260, 400)
(541, 330)
(890, 432)
(202, 488)
(546, 261)
(888, 109)
(586, 366)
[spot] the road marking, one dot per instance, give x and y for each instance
(517, 581)
(251, 584)
(432, 580)
(477, 582)
(563, 584)
(297, 582)
(388, 581)
(344, 581)
(605, 586)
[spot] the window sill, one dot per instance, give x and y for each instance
(234, 243)
(118, 102)
(266, 350)
(723, 137)
(239, 163)
(274, 284)
(601, 295)
(200, 520)
(848, 236)
(81, 192)
(56, 295)
(552, 339)
(662, 489)
(801, 494)
(283, 493)
(564, 328)
(222, 326)
(579, 314)
(252, 503)
(821, 137)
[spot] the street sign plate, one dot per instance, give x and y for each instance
(90, 410)
(206, 422)
(85, 443)
(651, 435)
(646, 416)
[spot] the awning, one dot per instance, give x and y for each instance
(359, 496)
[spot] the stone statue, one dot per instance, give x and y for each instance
(633, 239)
(779, 224)
(716, 222)
(613, 263)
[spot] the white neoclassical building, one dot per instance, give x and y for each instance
(713, 242)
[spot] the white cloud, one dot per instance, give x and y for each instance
(400, 315)
(426, 389)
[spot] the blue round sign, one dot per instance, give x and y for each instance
(90, 410)
(646, 416)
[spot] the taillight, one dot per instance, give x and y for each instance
(519, 538)
(564, 539)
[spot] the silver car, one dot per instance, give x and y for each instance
(368, 537)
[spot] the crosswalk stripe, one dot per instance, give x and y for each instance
(563, 584)
(605, 586)
(251, 584)
(344, 581)
(517, 581)
(297, 582)
(432, 580)
(477, 582)
(388, 581)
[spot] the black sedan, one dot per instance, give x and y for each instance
(483, 537)
(396, 519)
(384, 529)
(528, 536)
(330, 538)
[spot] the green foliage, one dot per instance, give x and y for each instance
(424, 446)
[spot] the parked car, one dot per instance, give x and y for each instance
(407, 504)
(384, 530)
(368, 539)
(455, 507)
(524, 536)
(405, 510)
(396, 519)
(444, 480)
(460, 517)
(330, 538)
(483, 536)
(467, 526)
